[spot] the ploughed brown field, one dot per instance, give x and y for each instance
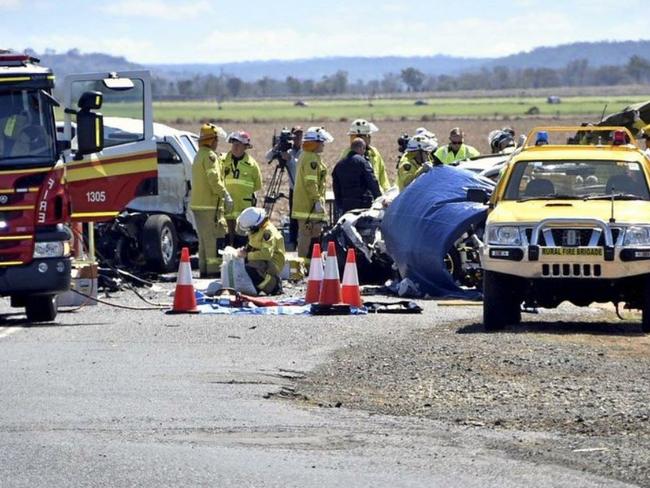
(476, 131)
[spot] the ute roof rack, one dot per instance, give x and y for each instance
(591, 135)
(9, 58)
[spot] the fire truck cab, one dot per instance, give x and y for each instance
(46, 185)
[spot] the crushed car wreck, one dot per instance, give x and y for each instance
(425, 233)
(428, 231)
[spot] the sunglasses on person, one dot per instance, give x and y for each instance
(455, 143)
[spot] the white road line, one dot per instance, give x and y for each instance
(7, 331)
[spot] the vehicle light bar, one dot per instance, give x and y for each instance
(14, 59)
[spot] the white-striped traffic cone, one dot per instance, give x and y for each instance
(315, 278)
(184, 298)
(330, 293)
(350, 291)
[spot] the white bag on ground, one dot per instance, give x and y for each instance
(233, 273)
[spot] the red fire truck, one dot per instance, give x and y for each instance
(46, 185)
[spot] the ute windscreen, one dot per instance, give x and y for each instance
(533, 180)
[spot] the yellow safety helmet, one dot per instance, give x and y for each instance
(211, 131)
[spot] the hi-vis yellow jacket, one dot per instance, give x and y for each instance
(242, 180)
(208, 188)
(267, 244)
(309, 187)
(378, 166)
(446, 156)
(409, 169)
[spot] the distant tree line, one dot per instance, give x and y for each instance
(575, 73)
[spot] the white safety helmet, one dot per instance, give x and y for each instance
(422, 131)
(362, 127)
(425, 132)
(240, 136)
(250, 218)
(421, 143)
(317, 134)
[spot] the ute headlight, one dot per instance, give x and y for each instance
(504, 235)
(51, 249)
(637, 235)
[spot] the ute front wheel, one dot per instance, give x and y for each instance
(40, 308)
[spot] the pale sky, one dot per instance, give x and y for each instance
(203, 31)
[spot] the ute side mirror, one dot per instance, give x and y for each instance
(477, 195)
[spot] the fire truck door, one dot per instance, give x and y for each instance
(102, 184)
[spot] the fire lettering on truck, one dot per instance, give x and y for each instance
(42, 206)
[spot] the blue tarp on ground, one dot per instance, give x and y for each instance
(425, 220)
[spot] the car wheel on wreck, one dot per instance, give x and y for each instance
(160, 243)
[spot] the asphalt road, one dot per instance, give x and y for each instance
(109, 397)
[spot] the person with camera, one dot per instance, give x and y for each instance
(309, 192)
(264, 253)
(243, 178)
(209, 200)
(363, 129)
(286, 150)
(353, 181)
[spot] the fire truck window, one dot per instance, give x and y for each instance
(26, 126)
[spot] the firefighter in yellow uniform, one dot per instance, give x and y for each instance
(243, 178)
(309, 189)
(264, 252)
(417, 159)
(362, 128)
(456, 150)
(209, 199)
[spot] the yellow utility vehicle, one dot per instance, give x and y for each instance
(568, 220)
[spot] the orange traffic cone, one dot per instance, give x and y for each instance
(184, 299)
(315, 278)
(350, 287)
(330, 293)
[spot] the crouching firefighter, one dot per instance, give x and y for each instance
(264, 253)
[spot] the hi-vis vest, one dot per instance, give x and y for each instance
(267, 244)
(309, 188)
(446, 156)
(208, 188)
(242, 180)
(408, 170)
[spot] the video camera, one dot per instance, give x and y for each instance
(281, 143)
(402, 141)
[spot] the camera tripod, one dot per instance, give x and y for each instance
(273, 192)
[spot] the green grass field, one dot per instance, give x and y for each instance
(381, 109)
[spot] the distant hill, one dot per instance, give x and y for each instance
(358, 68)
(597, 53)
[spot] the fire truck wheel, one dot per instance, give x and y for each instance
(40, 308)
(160, 243)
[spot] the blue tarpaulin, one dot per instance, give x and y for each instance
(425, 220)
